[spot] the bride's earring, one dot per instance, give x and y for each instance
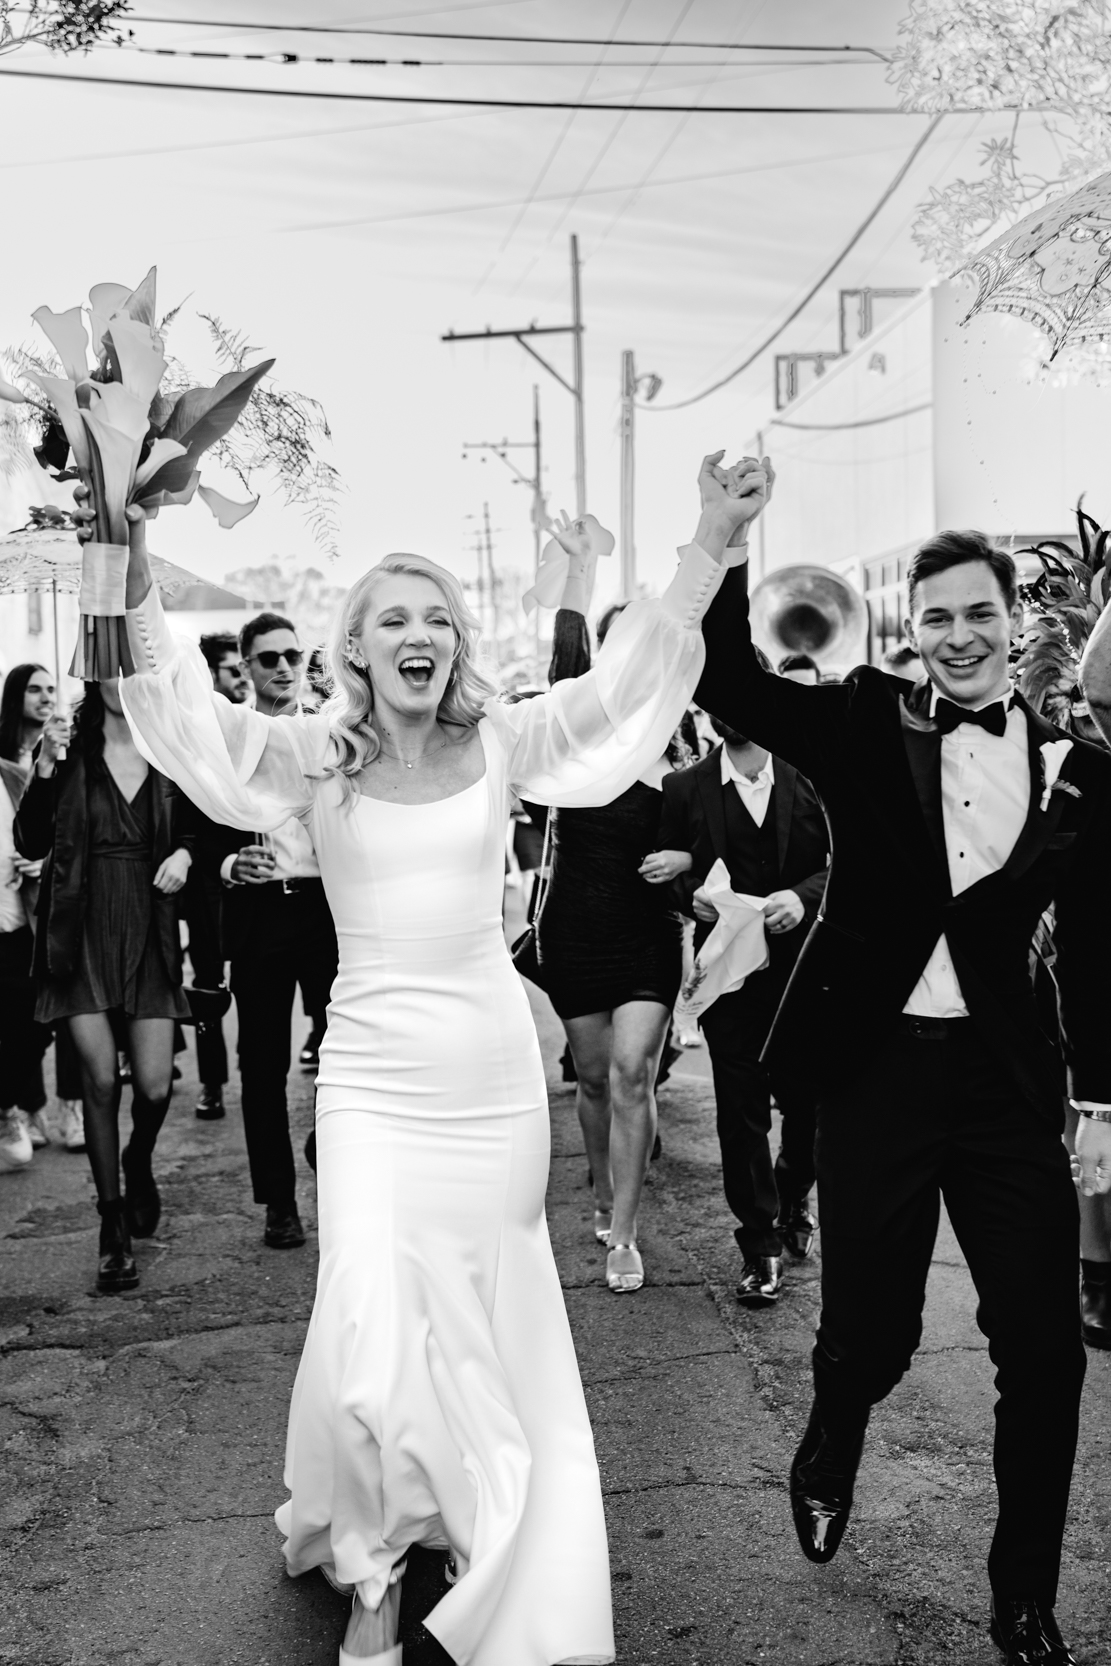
(354, 657)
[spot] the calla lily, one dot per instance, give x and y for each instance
(104, 300)
(114, 455)
(12, 395)
(68, 337)
(118, 407)
(160, 452)
(140, 303)
(227, 511)
(136, 356)
(63, 396)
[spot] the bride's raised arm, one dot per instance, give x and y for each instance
(589, 739)
(241, 768)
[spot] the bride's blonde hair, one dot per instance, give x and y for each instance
(350, 708)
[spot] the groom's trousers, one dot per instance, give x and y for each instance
(939, 1118)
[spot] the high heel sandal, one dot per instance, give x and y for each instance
(603, 1222)
(624, 1269)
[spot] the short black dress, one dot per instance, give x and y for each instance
(605, 935)
(120, 966)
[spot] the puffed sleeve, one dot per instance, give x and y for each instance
(589, 739)
(242, 769)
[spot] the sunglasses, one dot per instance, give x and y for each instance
(270, 658)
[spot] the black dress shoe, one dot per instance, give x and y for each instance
(798, 1227)
(1095, 1312)
(309, 1056)
(283, 1226)
(210, 1105)
(141, 1202)
(821, 1490)
(1027, 1633)
(761, 1280)
(116, 1269)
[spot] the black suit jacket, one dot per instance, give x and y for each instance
(876, 761)
(694, 819)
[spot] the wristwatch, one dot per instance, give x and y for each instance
(1094, 1113)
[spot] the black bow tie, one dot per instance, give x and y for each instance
(993, 718)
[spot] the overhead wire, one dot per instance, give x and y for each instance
(607, 143)
(330, 96)
(280, 57)
(549, 159)
(244, 27)
(591, 191)
(870, 217)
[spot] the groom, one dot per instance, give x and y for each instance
(957, 816)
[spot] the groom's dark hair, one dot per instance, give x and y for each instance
(954, 549)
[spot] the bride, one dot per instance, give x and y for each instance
(438, 1399)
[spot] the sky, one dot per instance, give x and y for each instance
(346, 238)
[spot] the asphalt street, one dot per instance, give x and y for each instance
(141, 1436)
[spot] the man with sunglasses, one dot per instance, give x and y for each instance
(279, 933)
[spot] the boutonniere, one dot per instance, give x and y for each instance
(1053, 754)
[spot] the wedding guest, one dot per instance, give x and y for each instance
(278, 934)
(611, 949)
(761, 818)
(800, 668)
(957, 817)
(201, 904)
(107, 952)
(26, 706)
(225, 662)
(438, 1396)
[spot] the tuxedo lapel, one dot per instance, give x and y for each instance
(1040, 825)
(785, 777)
(710, 791)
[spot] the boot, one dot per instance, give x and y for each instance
(142, 1204)
(116, 1269)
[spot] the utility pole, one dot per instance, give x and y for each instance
(630, 384)
(491, 578)
(502, 448)
(574, 387)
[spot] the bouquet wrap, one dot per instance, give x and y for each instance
(102, 649)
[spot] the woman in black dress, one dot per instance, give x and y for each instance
(107, 953)
(612, 955)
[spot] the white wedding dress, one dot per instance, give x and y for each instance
(438, 1399)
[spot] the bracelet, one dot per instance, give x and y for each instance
(1098, 1113)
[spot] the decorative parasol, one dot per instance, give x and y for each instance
(44, 555)
(1053, 268)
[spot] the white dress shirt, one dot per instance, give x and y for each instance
(985, 797)
(754, 792)
(294, 853)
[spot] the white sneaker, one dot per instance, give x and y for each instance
(15, 1143)
(36, 1127)
(71, 1124)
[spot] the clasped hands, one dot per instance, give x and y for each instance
(731, 498)
(783, 910)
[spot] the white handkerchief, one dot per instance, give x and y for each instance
(734, 949)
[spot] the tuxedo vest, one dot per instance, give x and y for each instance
(753, 859)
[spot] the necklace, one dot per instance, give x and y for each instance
(409, 765)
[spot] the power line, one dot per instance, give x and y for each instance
(279, 57)
(515, 40)
(481, 103)
(885, 198)
(863, 422)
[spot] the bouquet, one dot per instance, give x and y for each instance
(112, 427)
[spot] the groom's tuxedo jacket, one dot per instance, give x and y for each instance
(875, 760)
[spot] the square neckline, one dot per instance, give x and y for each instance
(449, 798)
